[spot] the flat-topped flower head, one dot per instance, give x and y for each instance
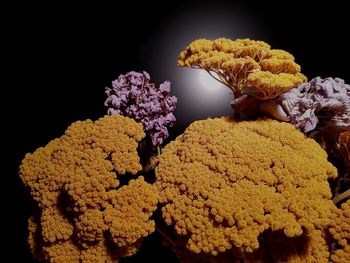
(245, 66)
(223, 183)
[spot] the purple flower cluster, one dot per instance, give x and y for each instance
(319, 102)
(133, 95)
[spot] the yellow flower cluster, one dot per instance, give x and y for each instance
(244, 65)
(340, 231)
(85, 214)
(223, 183)
(128, 218)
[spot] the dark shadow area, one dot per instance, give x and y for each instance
(276, 247)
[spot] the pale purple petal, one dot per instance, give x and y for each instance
(165, 88)
(134, 96)
(319, 102)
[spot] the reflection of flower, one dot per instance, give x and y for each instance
(318, 102)
(134, 96)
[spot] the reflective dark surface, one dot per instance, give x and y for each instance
(63, 57)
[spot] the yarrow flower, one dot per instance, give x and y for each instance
(318, 102)
(133, 95)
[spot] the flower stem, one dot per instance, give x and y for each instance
(342, 196)
(165, 235)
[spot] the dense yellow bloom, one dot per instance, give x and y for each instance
(238, 64)
(62, 252)
(74, 181)
(129, 217)
(262, 81)
(35, 239)
(340, 231)
(224, 183)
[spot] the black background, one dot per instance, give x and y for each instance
(59, 59)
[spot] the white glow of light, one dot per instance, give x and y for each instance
(208, 82)
(199, 94)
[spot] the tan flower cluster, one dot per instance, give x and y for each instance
(223, 183)
(244, 65)
(129, 217)
(85, 214)
(340, 232)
